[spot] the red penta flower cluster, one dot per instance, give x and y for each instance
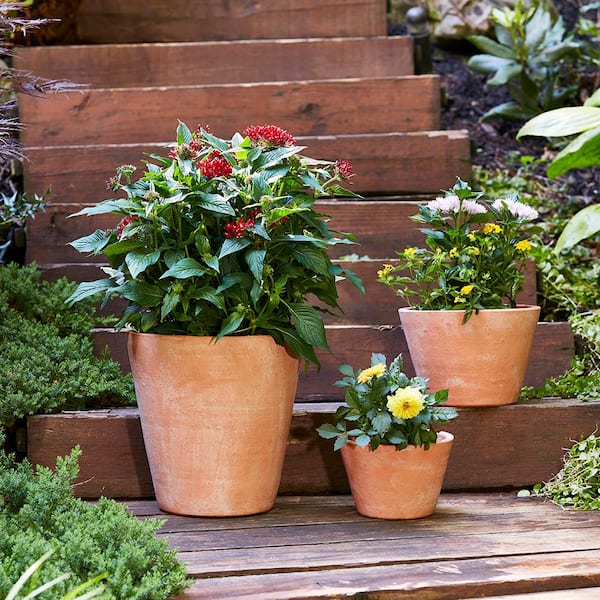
(123, 223)
(186, 151)
(214, 165)
(235, 229)
(269, 135)
(344, 168)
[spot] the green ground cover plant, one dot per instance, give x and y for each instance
(47, 360)
(39, 514)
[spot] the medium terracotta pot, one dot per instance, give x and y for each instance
(215, 419)
(482, 362)
(397, 484)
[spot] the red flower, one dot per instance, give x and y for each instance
(344, 168)
(269, 135)
(236, 228)
(214, 165)
(123, 223)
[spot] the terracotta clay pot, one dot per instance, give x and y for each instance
(397, 484)
(215, 419)
(482, 362)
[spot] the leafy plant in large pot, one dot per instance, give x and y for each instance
(464, 329)
(386, 430)
(218, 250)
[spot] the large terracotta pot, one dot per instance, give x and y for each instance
(215, 419)
(482, 362)
(397, 484)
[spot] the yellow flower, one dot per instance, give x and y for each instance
(458, 299)
(367, 374)
(491, 228)
(472, 250)
(453, 253)
(472, 236)
(466, 289)
(410, 252)
(387, 269)
(405, 403)
(523, 246)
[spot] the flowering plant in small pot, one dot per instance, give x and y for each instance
(386, 430)
(221, 237)
(470, 270)
(474, 257)
(220, 241)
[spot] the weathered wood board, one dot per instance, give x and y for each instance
(494, 447)
(136, 21)
(315, 108)
(245, 61)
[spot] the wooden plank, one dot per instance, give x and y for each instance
(494, 449)
(427, 580)
(246, 61)
(113, 21)
(113, 116)
(78, 174)
(587, 593)
(551, 355)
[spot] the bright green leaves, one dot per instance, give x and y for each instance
(184, 268)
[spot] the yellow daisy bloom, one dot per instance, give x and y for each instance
(409, 252)
(367, 374)
(453, 253)
(491, 228)
(466, 289)
(472, 236)
(387, 269)
(405, 403)
(458, 299)
(523, 246)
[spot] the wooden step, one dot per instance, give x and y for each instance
(381, 228)
(551, 355)
(315, 108)
(136, 21)
(383, 162)
(246, 61)
(501, 447)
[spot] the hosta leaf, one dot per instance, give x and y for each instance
(309, 325)
(582, 226)
(185, 268)
(583, 151)
(562, 122)
(138, 262)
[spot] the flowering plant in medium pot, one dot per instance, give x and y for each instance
(387, 433)
(223, 258)
(462, 288)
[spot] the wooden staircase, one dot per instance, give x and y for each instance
(335, 80)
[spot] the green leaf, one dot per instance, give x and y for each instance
(362, 440)
(170, 301)
(255, 259)
(95, 242)
(89, 288)
(231, 245)
(582, 226)
(211, 202)
(583, 151)
(489, 46)
(484, 63)
(346, 370)
(184, 269)
(562, 122)
(381, 422)
(138, 262)
(230, 325)
(314, 259)
(309, 325)
(184, 135)
(142, 293)
(328, 431)
(122, 247)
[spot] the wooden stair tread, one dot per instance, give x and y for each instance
(113, 21)
(242, 61)
(317, 107)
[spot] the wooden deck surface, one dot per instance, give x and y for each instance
(475, 545)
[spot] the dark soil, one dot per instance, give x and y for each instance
(466, 97)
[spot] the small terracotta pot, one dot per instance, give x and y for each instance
(397, 484)
(482, 362)
(215, 419)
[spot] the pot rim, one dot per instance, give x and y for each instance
(519, 307)
(443, 437)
